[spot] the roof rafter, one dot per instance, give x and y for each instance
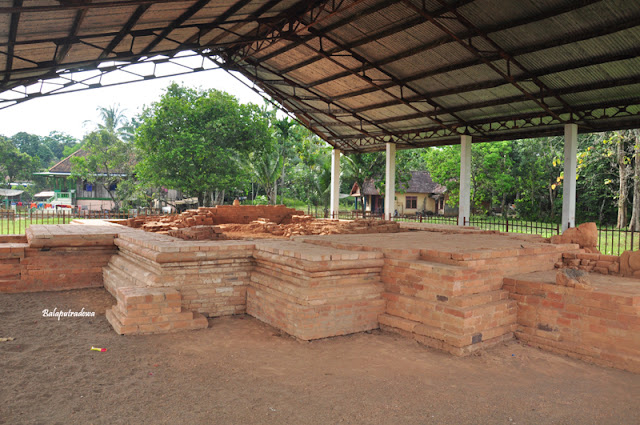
(318, 96)
(124, 31)
(13, 32)
(375, 8)
(447, 39)
(376, 36)
(192, 10)
(61, 51)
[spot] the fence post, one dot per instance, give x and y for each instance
(507, 226)
(632, 232)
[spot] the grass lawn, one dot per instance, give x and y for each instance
(19, 225)
(611, 240)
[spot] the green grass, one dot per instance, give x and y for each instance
(611, 240)
(19, 226)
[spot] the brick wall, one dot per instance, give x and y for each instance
(599, 324)
(55, 258)
(315, 292)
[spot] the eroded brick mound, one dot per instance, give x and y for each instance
(574, 278)
(198, 233)
(222, 214)
(305, 225)
(585, 235)
(630, 264)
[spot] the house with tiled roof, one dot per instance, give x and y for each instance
(419, 195)
(81, 193)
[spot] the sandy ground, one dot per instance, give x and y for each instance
(241, 371)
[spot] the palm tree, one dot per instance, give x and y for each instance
(115, 122)
(265, 168)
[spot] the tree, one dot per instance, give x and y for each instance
(108, 163)
(265, 167)
(443, 163)
(115, 122)
(634, 224)
(192, 140)
(33, 146)
(359, 168)
(60, 144)
(315, 159)
(15, 164)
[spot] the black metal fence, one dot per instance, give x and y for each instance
(611, 240)
(16, 222)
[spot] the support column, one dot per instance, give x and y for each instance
(569, 182)
(390, 182)
(464, 205)
(335, 184)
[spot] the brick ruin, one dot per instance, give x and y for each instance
(457, 291)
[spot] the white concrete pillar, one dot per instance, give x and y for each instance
(335, 184)
(464, 205)
(569, 182)
(390, 182)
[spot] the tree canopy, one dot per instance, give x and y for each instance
(193, 140)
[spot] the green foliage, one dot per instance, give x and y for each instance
(108, 163)
(32, 145)
(193, 140)
(14, 164)
(443, 163)
(60, 144)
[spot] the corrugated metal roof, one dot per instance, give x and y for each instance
(358, 72)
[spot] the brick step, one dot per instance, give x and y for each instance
(326, 295)
(327, 265)
(306, 279)
(435, 337)
(434, 294)
(186, 320)
(455, 319)
(151, 310)
(309, 322)
(115, 278)
(436, 279)
(520, 260)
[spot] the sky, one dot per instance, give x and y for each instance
(75, 113)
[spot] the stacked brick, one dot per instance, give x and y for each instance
(55, 258)
(600, 324)
(592, 262)
(312, 292)
(305, 225)
(197, 233)
(211, 277)
(451, 298)
(242, 214)
(11, 254)
(151, 310)
(452, 308)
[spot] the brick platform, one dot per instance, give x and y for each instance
(56, 258)
(601, 325)
(447, 292)
(442, 288)
(211, 277)
(314, 292)
(151, 310)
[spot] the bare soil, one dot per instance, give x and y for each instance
(241, 371)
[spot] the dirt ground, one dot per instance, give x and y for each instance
(241, 371)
